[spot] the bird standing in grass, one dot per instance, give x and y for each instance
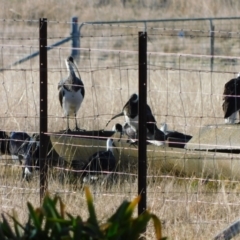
(231, 99)
(71, 92)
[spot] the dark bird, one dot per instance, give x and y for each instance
(101, 162)
(4, 142)
(130, 112)
(71, 92)
(231, 99)
(30, 156)
(18, 143)
(175, 136)
(25, 148)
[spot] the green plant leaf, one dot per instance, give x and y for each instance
(133, 204)
(138, 225)
(34, 215)
(62, 208)
(50, 211)
(70, 216)
(77, 227)
(7, 229)
(92, 213)
(120, 214)
(18, 227)
(50, 206)
(120, 222)
(60, 220)
(2, 235)
(157, 226)
(92, 227)
(120, 226)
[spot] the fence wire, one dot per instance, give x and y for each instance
(193, 189)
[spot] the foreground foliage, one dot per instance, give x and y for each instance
(47, 222)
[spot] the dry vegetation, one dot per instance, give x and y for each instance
(186, 99)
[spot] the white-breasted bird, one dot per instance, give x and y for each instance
(71, 92)
(130, 112)
(127, 130)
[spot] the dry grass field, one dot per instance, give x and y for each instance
(182, 91)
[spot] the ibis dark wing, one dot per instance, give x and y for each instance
(101, 161)
(179, 135)
(18, 142)
(61, 95)
(231, 97)
(232, 87)
(72, 84)
(151, 121)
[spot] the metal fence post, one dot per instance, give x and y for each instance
(43, 105)
(142, 147)
(75, 39)
(211, 44)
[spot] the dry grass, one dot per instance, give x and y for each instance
(186, 99)
(112, 10)
(188, 209)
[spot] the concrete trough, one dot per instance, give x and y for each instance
(161, 159)
(217, 138)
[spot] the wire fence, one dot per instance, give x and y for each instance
(193, 187)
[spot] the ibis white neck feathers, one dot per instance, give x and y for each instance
(109, 144)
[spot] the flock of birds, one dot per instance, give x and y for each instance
(71, 94)
(24, 149)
